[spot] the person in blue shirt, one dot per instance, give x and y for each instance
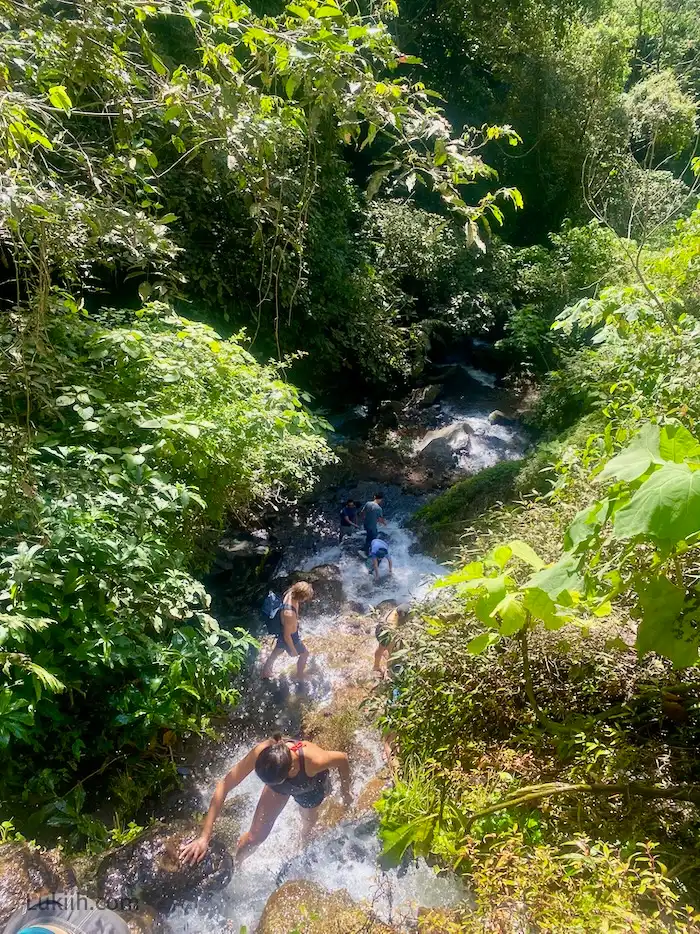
(378, 551)
(373, 515)
(348, 518)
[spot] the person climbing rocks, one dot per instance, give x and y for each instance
(378, 552)
(289, 769)
(289, 639)
(348, 519)
(387, 631)
(373, 514)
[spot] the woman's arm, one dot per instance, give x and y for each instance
(318, 759)
(193, 852)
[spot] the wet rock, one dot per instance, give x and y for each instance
(500, 418)
(438, 448)
(327, 581)
(26, 873)
(145, 921)
(426, 395)
(242, 566)
(372, 791)
(308, 907)
(150, 868)
(389, 413)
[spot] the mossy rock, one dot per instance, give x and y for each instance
(306, 908)
(441, 522)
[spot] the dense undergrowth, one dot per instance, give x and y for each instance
(546, 711)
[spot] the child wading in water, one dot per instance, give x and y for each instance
(289, 640)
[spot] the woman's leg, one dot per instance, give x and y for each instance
(301, 665)
(272, 658)
(309, 816)
(379, 655)
(270, 806)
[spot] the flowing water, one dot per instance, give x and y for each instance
(347, 856)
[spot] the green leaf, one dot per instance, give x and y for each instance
(556, 578)
(636, 458)
(469, 572)
(586, 525)
(323, 12)
(541, 606)
(527, 554)
(167, 219)
(666, 507)
(512, 614)
(479, 644)
(661, 629)
(299, 11)
(59, 97)
(501, 555)
(375, 182)
(677, 444)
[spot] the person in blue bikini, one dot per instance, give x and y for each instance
(289, 769)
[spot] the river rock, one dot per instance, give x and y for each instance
(150, 868)
(327, 581)
(388, 413)
(305, 906)
(27, 873)
(426, 395)
(500, 418)
(439, 447)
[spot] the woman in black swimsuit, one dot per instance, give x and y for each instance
(289, 770)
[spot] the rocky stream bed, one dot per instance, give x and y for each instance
(336, 883)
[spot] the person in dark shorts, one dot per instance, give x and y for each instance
(348, 519)
(289, 640)
(386, 633)
(65, 913)
(373, 514)
(289, 769)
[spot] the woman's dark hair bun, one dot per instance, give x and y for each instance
(274, 762)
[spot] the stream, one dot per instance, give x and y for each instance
(344, 856)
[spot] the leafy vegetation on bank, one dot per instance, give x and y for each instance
(547, 711)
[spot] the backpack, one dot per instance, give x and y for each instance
(270, 609)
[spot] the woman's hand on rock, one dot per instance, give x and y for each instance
(193, 852)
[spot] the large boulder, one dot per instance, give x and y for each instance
(26, 873)
(305, 906)
(150, 868)
(242, 565)
(438, 448)
(327, 581)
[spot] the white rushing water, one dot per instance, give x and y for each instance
(346, 857)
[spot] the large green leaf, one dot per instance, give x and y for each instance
(586, 524)
(558, 577)
(541, 606)
(662, 630)
(636, 458)
(526, 553)
(666, 507)
(677, 444)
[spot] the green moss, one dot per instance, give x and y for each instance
(441, 521)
